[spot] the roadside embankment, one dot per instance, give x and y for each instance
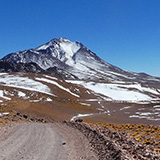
(114, 145)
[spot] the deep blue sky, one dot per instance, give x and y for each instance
(125, 33)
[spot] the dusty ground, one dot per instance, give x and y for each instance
(39, 141)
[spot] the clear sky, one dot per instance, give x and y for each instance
(125, 33)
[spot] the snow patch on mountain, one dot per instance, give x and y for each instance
(51, 77)
(2, 95)
(21, 94)
(130, 93)
(81, 115)
(58, 85)
(24, 83)
(70, 48)
(3, 74)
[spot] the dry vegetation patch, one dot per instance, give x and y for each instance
(148, 135)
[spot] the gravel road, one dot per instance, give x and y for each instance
(35, 141)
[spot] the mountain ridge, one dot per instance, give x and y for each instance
(74, 59)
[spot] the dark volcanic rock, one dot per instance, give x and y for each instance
(6, 66)
(59, 73)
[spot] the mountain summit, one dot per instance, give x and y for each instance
(70, 60)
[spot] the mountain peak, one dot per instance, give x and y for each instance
(62, 49)
(61, 42)
(62, 39)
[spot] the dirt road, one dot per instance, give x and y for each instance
(35, 141)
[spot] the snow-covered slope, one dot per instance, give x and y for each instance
(134, 92)
(62, 49)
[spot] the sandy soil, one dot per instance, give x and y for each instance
(37, 141)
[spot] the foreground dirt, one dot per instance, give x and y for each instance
(38, 141)
(79, 140)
